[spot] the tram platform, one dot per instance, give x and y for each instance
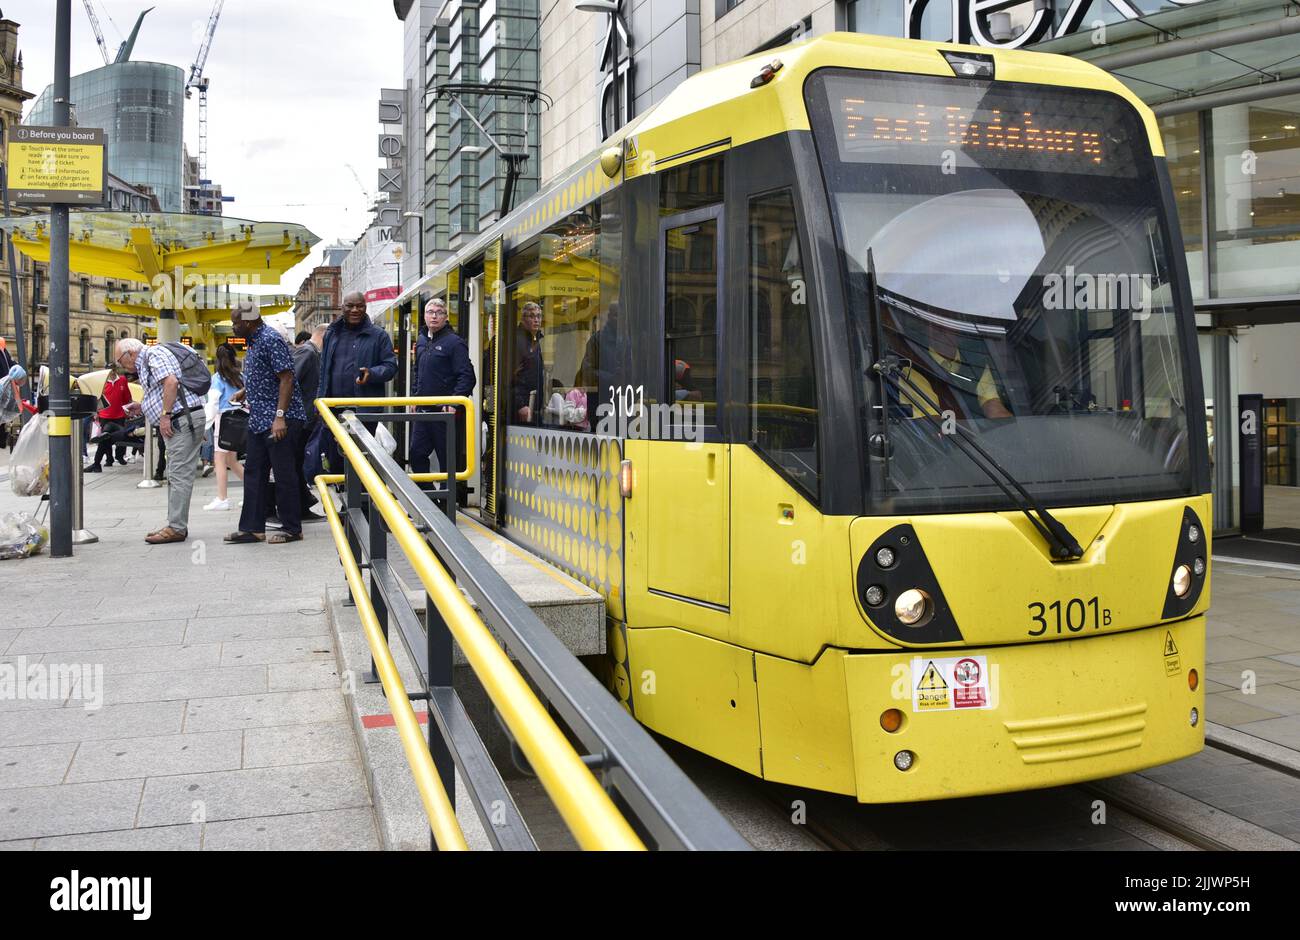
(221, 721)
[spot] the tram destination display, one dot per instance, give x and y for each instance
(57, 166)
(924, 122)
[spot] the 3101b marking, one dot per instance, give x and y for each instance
(1073, 615)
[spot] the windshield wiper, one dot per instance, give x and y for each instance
(1064, 546)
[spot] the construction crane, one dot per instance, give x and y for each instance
(99, 33)
(198, 80)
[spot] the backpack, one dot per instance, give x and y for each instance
(195, 376)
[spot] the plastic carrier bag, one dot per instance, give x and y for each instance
(29, 463)
(20, 536)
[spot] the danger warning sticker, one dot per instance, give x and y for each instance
(947, 684)
(1173, 665)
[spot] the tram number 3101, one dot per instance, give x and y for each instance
(1074, 615)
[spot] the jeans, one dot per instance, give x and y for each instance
(263, 454)
(182, 468)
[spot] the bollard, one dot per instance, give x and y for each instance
(148, 482)
(80, 535)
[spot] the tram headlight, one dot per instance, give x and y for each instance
(1194, 717)
(1193, 533)
(885, 557)
(912, 606)
(903, 760)
(1198, 567)
(1182, 580)
(874, 596)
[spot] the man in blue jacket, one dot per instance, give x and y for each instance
(442, 367)
(356, 361)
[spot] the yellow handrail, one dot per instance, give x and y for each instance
(471, 427)
(579, 798)
(442, 817)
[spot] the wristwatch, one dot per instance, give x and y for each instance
(279, 412)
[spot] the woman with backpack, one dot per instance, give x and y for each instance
(227, 381)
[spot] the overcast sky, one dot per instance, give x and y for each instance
(293, 97)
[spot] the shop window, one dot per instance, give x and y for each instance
(1256, 206)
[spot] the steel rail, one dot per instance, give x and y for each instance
(586, 808)
(442, 817)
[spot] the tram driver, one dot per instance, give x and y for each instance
(943, 375)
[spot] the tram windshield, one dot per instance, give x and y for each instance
(1016, 238)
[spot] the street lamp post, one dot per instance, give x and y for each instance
(60, 398)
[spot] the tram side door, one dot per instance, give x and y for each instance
(690, 472)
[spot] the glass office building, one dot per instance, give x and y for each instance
(140, 106)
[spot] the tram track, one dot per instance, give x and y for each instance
(1148, 812)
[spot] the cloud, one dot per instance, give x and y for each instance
(294, 86)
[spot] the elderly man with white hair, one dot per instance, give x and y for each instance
(177, 413)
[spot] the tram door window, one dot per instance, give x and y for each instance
(782, 388)
(691, 255)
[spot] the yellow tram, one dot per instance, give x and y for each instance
(866, 393)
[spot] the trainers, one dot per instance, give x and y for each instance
(218, 505)
(207, 469)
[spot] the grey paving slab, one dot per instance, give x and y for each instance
(1282, 639)
(295, 649)
(299, 744)
(7, 636)
(310, 706)
(127, 612)
(35, 765)
(1285, 731)
(55, 725)
(254, 627)
(1224, 709)
(18, 845)
(1274, 697)
(22, 616)
(107, 636)
(307, 605)
(1266, 669)
(1231, 648)
(243, 794)
(32, 812)
(344, 830)
(285, 677)
(186, 838)
(144, 659)
(183, 684)
(156, 756)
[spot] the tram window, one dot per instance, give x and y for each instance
(783, 395)
(554, 296)
(692, 186)
(607, 361)
(690, 314)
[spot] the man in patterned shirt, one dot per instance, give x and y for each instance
(178, 416)
(275, 422)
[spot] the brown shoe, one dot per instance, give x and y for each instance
(165, 535)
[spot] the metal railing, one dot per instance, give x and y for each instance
(640, 798)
